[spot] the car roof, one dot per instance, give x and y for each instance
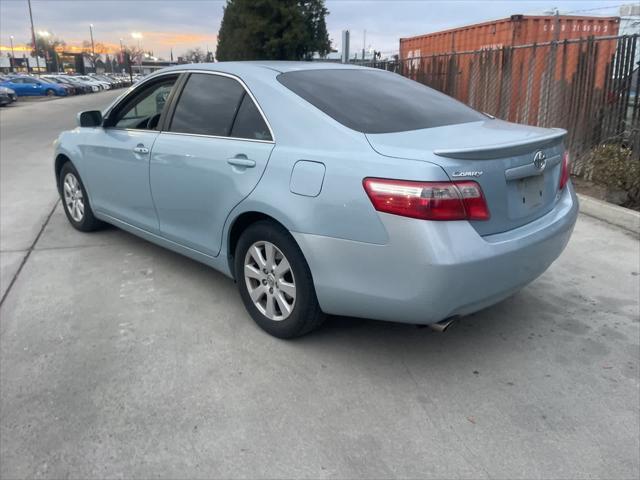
(257, 65)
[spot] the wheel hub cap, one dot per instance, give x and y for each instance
(269, 280)
(73, 198)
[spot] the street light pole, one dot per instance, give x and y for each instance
(13, 55)
(93, 48)
(33, 36)
(138, 36)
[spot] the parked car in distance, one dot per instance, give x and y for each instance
(105, 78)
(324, 189)
(92, 86)
(79, 87)
(71, 90)
(10, 94)
(124, 79)
(30, 86)
(101, 83)
(7, 96)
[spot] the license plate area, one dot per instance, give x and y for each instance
(531, 191)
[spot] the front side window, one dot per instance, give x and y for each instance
(373, 101)
(143, 111)
(207, 105)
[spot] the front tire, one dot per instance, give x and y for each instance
(275, 282)
(50, 93)
(75, 200)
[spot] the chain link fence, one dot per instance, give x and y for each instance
(586, 86)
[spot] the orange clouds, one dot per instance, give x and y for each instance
(155, 41)
(169, 39)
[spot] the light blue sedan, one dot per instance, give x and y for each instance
(324, 189)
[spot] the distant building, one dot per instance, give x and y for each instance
(21, 64)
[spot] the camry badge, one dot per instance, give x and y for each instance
(472, 173)
(540, 160)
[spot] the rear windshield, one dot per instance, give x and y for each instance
(371, 101)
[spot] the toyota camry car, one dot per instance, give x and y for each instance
(324, 189)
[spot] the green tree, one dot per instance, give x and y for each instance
(47, 48)
(314, 13)
(195, 55)
(273, 30)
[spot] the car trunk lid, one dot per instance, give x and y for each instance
(496, 154)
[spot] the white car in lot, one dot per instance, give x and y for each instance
(95, 87)
(94, 81)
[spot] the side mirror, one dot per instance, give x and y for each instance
(90, 118)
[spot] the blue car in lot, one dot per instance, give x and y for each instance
(29, 86)
(324, 189)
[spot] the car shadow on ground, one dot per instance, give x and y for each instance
(549, 317)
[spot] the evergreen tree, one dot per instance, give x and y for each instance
(314, 13)
(273, 30)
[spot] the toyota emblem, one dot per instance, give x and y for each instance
(539, 160)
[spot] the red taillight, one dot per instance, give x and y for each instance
(564, 173)
(428, 200)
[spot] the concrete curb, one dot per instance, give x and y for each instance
(613, 214)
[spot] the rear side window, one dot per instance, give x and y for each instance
(371, 101)
(249, 122)
(207, 105)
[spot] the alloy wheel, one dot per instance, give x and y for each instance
(270, 280)
(73, 198)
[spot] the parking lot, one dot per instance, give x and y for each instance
(121, 359)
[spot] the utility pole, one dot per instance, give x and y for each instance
(33, 37)
(556, 35)
(364, 43)
(345, 46)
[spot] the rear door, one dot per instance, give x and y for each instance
(210, 155)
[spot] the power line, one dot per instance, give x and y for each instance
(597, 8)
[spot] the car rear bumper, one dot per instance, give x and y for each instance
(429, 271)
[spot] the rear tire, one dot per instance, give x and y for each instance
(275, 282)
(50, 93)
(75, 200)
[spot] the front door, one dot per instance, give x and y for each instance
(118, 156)
(212, 155)
(25, 86)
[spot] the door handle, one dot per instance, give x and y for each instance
(241, 161)
(141, 149)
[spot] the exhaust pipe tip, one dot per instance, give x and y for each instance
(442, 325)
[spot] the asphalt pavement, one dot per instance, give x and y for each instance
(119, 359)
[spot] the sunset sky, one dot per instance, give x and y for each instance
(184, 24)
